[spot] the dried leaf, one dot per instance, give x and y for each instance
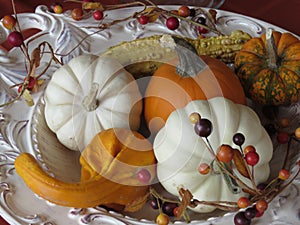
(93, 5)
(137, 204)
(152, 14)
(186, 197)
(240, 163)
(28, 98)
(213, 14)
(36, 57)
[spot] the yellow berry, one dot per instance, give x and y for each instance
(194, 117)
(162, 219)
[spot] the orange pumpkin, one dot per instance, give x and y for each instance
(111, 164)
(269, 68)
(173, 85)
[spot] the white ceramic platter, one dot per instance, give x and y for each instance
(22, 128)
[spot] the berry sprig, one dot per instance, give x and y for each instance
(31, 81)
(167, 208)
(148, 14)
(244, 160)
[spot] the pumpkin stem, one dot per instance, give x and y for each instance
(190, 63)
(271, 49)
(90, 102)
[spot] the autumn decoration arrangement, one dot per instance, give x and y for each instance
(208, 148)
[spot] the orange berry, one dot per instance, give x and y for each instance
(225, 153)
(9, 22)
(243, 202)
(284, 174)
(284, 122)
(77, 14)
(249, 148)
(184, 11)
(204, 168)
(261, 205)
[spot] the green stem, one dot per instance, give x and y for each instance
(271, 49)
(190, 63)
(90, 102)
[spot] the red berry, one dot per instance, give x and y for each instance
(261, 205)
(184, 11)
(282, 137)
(15, 39)
(144, 176)
(175, 211)
(30, 85)
(259, 214)
(172, 23)
(98, 15)
(9, 22)
(284, 174)
(202, 30)
(20, 88)
(77, 14)
(252, 158)
(225, 153)
(143, 19)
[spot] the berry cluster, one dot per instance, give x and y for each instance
(257, 203)
(15, 38)
(195, 16)
(174, 17)
(79, 13)
(167, 208)
(31, 81)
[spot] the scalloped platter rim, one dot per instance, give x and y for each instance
(23, 128)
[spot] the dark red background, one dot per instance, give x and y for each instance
(278, 12)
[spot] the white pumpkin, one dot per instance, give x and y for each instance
(180, 151)
(88, 95)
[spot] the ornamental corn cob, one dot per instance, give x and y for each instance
(143, 56)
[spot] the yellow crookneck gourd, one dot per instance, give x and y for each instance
(117, 169)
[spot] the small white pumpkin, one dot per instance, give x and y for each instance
(88, 95)
(180, 151)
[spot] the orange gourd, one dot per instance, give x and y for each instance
(175, 84)
(269, 68)
(109, 176)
